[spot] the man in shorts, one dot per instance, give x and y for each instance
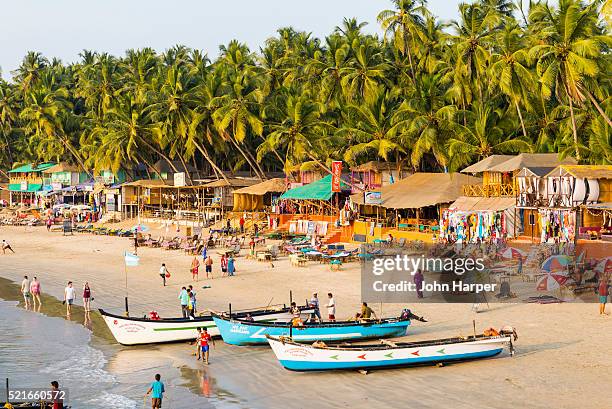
(25, 290)
(331, 307)
(69, 295)
(208, 263)
(202, 343)
(156, 391)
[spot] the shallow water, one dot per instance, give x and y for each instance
(37, 349)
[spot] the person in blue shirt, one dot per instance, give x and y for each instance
(231, 267)
(184, 298)
(157, 392)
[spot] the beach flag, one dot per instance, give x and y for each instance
(131, 260)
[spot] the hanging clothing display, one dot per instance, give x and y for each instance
(308, 227)
(461, 226)
(557, 225)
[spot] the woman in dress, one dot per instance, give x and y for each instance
(231, 268)
(86, 297)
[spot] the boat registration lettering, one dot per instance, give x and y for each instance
(239, 329)
(298, 352)
(132, 327)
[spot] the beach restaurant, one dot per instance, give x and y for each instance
(315, 208)
(408, 209)
(26, 181)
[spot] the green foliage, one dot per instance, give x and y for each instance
(435, 94)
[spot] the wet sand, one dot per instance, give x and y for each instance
(562, 355)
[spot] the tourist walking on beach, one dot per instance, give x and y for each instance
(195, 267)
(202, 342)
(35, 291)
(204, 252)
(6, 246)
(86, 297)
(223, 264)
(69, 296)
(208, 265)
(331, 307)
(603, 290)
(25, 291)
(314, 303)
(156, 390)
(184, 300)
(163, 273)
(231, 267)
(418, 282)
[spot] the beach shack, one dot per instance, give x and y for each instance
(497, 208)
(408, 209)
(223, 190)
(315, 209)
(577, 201)
(374, 174)
(260, 196)
(26, 181)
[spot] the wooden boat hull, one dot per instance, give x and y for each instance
(239, 332)
(138, 331)
(301, 357)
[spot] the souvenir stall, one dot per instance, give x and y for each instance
(473, 219)
(557, 225)
(460, 226)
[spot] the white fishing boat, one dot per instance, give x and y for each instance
(320, 357)
(136, 331)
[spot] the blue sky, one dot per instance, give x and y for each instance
(62, 28)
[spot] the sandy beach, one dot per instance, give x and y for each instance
(562, 352)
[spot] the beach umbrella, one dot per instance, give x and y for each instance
(551, 281)
(511, 252)
(604, 266)
(140, 228)
(556, 263)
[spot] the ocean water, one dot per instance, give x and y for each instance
(37, 349)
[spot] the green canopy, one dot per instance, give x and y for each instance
(319, 190)
(32, 187)
(31, 168)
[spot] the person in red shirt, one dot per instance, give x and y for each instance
(241, 224)
(202, 343)
(57, 402)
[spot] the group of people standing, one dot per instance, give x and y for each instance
(187, 298)
(31, 291)
(228, 265)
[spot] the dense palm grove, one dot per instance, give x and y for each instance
(428, 94)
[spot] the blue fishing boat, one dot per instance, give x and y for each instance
(320, 357)
(242, 332)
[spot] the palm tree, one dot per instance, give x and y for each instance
(362, 77)
(510, 72)
(488, 132)
(300, 133)
(372, 127)
(431, 120)
(404, 24)
(236, 113)
(570, 52)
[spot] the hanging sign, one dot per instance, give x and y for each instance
(336, 173)
(372, 198)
